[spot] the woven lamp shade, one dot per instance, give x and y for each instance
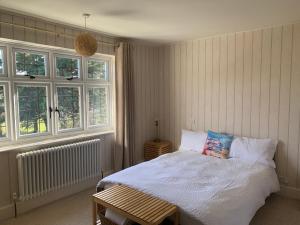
(85, 44)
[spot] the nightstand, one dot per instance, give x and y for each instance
(153, 149)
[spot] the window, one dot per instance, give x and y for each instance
(3, 126)
(2, 61)
(53, 93)
(32, 109)
(29, 63)
(68, 101)
(97, 69)
(97, 106)
(67, 67)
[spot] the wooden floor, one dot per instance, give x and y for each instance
(77, 210)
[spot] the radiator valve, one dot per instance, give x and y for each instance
(14, 196)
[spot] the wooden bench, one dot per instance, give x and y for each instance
(134, 205)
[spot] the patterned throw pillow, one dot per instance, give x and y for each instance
(217, 144)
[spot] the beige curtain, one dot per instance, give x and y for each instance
(124, 149)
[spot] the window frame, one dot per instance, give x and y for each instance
(17, 116)
(11, 80)
(70, 56)
(32, 51)
(55, 115)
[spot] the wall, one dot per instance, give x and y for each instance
(246, 83)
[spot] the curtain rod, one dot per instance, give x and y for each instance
(55, 33)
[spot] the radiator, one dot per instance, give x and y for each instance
(51, 169)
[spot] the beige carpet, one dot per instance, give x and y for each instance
(76, 210)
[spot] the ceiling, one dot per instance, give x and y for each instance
(163, 19)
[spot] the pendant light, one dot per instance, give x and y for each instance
(85, 44)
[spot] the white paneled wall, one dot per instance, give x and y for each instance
(246, 83)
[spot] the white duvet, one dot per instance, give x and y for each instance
(208, 190)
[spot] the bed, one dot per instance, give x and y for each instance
(207, 190)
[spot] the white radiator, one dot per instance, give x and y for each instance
(51, 169)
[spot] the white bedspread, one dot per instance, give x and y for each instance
(207, 190)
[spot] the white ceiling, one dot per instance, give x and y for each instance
(164, 19)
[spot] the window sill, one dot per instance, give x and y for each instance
(41, 143)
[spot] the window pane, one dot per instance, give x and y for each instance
(98, 110)
(1, 62)
(97, 69)
(3, 131)
(30, 64)
(68, 105)
(32, 110)
(67, 67)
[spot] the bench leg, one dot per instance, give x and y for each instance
(94, 208)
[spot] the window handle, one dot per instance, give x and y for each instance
(30, 76)
(50, 111)
(57, 110)
(72, 78)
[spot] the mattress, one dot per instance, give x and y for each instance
(207, 190)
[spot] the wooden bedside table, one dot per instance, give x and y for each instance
(153, 149)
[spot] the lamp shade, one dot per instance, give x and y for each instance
(85, 44)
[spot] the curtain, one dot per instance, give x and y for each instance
(124, 148)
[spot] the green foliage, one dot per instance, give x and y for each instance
(2, 113)
(96, 69)
(1, 62)
(30, 64)
(32, 109)
(1, 66)
(67, 67)
(68, 105)
(98, 112)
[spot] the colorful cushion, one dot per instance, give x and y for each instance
(217, 144)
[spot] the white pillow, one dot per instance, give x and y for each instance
(194, 141)
(254, 150)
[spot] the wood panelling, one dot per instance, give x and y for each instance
(39, 31)
(149, 71)
(245, 83)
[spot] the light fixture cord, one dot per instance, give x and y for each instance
(85, 15)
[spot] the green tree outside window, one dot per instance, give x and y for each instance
(98, 110)
(68, 105)
(32, 110)
(30, 64)
(67, 67)
(3, 131)
(97, 69)
(1, 62)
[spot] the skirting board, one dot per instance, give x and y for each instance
(26, 206)
(289, 192)
(7, 211)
